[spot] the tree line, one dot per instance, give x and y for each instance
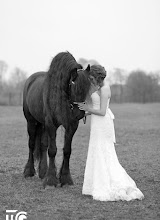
(136, 86)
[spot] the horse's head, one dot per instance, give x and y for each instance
(79, 86)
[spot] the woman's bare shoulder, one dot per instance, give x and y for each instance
(106, 83)
(106, 86)
(105, 89)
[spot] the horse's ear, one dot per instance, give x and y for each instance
(74, 74)
(88, 68)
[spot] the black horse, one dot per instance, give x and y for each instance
(48, 102)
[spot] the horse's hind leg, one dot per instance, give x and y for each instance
(65, 176)
(42, 169)
(29, 170)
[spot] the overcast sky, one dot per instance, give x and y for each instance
(116, 33)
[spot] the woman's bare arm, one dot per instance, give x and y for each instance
(104, 96)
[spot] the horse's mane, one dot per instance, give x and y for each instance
(57, 82)
(62, 63)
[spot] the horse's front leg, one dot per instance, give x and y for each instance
(51, 176)
(65, 176)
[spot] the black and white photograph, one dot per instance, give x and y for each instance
(79, 109)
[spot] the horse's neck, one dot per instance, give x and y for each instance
(57, 84)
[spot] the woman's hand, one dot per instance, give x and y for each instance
(87, 113)
(82, 106)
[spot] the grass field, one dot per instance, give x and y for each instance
(138, 148)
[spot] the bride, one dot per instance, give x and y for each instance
(104, 179)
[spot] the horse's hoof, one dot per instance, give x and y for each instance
(66, 180)
(50, 181)
(29, 172)
(42, 170)
(42, 173)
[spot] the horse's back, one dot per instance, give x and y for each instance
(32, 78)
(33, 96)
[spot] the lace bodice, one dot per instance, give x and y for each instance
(96, 100)
(96, 103)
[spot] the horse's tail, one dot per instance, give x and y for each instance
(38, 148)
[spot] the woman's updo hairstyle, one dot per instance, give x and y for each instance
(98, 72)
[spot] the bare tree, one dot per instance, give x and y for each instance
(18, 76)
(3, 70)
(118, 78)
(16, 82)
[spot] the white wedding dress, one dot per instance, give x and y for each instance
(105, 179)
